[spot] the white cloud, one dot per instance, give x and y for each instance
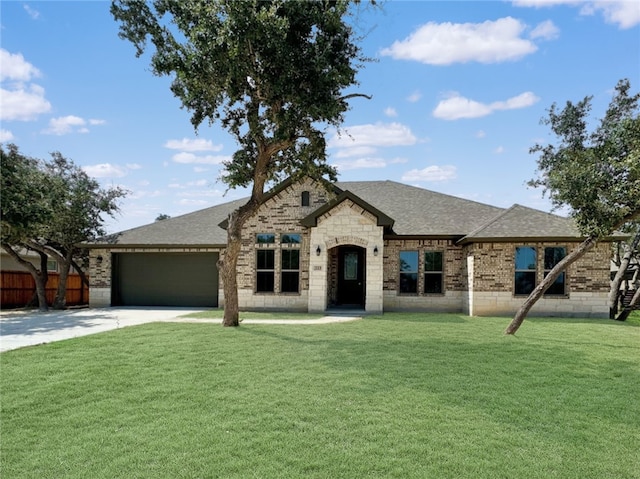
(199, 169)
(192, 144)
(105, 170)
(414, 97)
(188, 202)
(360, 163)
(95, 121)
(32, 12)
(189, 158)
(391, 112)
(15, 67)
(66, 124)
(625, 14)
(431, 173)
(456, 106)
(499, 150)
(22, 103)
(545, 30)
(379, 134)
(398, 160)
(5, 135)
(480, 134)
(447, 43)
(134, 166)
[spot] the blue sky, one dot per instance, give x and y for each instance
(458, 88)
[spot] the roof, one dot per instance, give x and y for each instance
(420, 212)
(404, 211)
(522, 222)
(199, 228)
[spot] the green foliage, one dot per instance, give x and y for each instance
(25, 205)
(596, 174)
(271, 72)
(399, 395)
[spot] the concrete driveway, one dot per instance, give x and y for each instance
(28, 328)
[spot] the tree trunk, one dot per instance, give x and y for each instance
(60, 301)
(635, 301)
(539, 290)
(39, 276)
(614, 293)
(228, 264)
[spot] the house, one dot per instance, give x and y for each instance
(372, 245)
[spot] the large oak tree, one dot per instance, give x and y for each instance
(273, 73)
(50, 207)
(596, 174)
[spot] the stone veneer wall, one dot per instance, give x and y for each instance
(491, 281)
(279, 215)
(346, 224)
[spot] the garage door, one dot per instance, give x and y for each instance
(165, 279)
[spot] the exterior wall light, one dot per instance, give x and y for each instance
(318, 251)
(375, 251)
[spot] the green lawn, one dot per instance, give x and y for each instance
(400, 395)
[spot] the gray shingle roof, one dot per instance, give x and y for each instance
(199, 228)
(522, 222)
(413, 211)
(421, 212)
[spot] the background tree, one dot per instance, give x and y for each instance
(51, 207)
(24, 208)
(162, 216)
(626, 254)
(596, 174)
(272, 72)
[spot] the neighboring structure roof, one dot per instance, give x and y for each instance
(404, 210)
(522, 222)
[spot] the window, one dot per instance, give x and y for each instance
(408, 271)
(291, 238)
(552, 256)
(265, 238)
(52, 265)
(290, 273)
(305, 199)
(265, 262)
(433, 272)
(525, 270)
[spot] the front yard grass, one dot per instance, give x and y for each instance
(399, 395)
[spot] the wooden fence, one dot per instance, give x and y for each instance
(17, 289)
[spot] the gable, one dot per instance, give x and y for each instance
(355, 203)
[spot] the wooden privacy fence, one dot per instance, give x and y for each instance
(17, 289)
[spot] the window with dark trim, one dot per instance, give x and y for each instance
(290, 271)
(305, 199)
(525, 270)
(265, 270)
(52, 265)
(408, 272)
(433, 272)
(552, 256)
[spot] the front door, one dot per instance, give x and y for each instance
(351, 276)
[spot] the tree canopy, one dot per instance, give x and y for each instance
(50, 207)
(273, 73)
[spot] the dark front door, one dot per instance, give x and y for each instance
(351, 280)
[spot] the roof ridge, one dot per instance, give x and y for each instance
(493, 220)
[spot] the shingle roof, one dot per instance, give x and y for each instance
(522, 222)
(413, 211)
(421, 212)
(199, 228)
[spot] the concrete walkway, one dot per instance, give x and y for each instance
(28, 328)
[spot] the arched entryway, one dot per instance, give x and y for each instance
(347, 277)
